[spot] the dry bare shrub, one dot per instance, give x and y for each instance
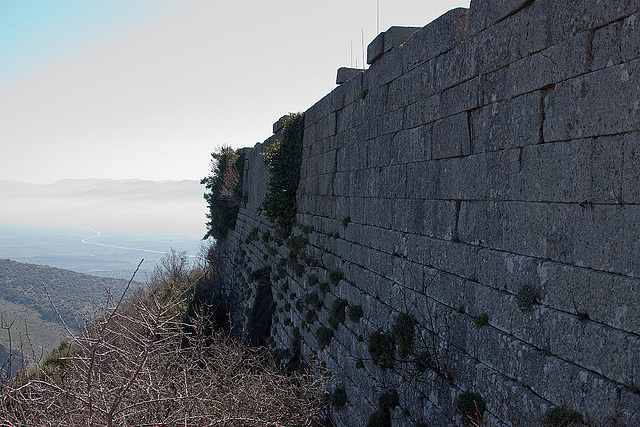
(134, 365)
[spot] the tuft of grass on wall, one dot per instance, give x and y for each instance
(355, 313)
(324, 336)
(471, 407)
(382, 348)
(403, 331)
(335, 276)
(337, 313)
(482, 320)
(526, 297)
(563, 417)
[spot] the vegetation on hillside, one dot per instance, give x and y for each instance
(27, 285)
(151, 358)
(223, 191)
(24, 300)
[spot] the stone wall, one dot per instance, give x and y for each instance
(483, 177)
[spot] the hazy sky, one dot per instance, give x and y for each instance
(148, 88)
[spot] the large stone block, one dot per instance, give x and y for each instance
(463, 97)
(607, 49)
(608, 160)
(599, 103)
(408, 215)
(569, 18)
(425, 110)
(500, 45)
(374, 103)
(606, 237)
(393, 180)
(456, 65)
(411, 145)
(540, 70)
(389, 123)
(484, 13)
(351, 90)
(455, 258)
(451, 137)
(631, 173)
(436, 37)
(600, 237)
(379, 151)
(481, 224)
(386, 69)
(345, 74)
(412, 86)
(630, 38)
(326, 126)
(580, 171)
(349, 117)
(587, 344)
(378, 213)
(387, 40)
(513, 123)
(418, 249)
(439, 219)
(422, 180)
(478, 177)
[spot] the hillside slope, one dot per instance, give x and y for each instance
(23, 299)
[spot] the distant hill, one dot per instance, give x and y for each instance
(132, 205)
(23, 299)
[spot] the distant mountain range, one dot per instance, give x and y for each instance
(155, 207)
(24, 301)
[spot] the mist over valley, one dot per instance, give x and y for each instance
(102, 227)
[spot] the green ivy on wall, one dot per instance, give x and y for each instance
(223, 191)
(283, 159)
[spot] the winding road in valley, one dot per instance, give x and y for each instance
(87, 242)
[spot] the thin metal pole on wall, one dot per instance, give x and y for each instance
(363, 62)
(377, 17)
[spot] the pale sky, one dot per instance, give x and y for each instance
(148, 88)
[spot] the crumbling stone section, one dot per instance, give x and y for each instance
(472, 197)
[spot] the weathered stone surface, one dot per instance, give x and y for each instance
(375, 49)
(513, 123)
(411, 145)
(479, 177)
(588, 105)
(425, 110)
(578, 16)
(451, 137)
(436, 37)
(395, 36)
(540, 70)
(411, 87)
(345, 74)
(456, 65)
(581, 171)
(631, 172)
(484, 13)
(385, 70)
(607, 48)
(387, 40)
(630, 38)
(463, 97)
